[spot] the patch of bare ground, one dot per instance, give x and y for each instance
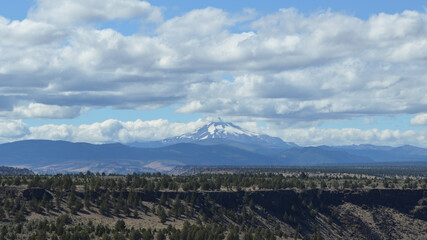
(145, 219)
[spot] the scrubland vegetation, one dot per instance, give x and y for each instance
(254, 204)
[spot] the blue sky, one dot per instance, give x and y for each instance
(312, 72)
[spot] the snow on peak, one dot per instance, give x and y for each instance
(212, 129)
(222, 130)
(219, 131)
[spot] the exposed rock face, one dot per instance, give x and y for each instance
(352, 214)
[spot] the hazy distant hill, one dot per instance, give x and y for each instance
(319, 156)
(384, 153)
(15, 171)
(60, 156)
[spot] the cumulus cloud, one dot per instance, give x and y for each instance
(323, 66)
(28, 32)
(12, 130)
(198, 23)
(419, 119)
(114, 131)
(288, 68)
(79, 11)
(349, 136)
(37, 110)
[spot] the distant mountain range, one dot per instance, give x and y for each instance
(217, 143)
(384, 153)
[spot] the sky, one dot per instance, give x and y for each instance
(310, 72)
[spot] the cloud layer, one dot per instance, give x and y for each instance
(113, 131)
(288, 69)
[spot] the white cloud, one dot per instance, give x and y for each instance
(114, 131)
(11, 130)
(397, 26)
(348, 136)
(37, 110)
(199, 24)
(419, 119)
(84, 11)
(288, 68)
(28, 32)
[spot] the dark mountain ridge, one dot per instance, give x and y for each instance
(68, 156)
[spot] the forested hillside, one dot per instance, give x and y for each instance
(212, 206)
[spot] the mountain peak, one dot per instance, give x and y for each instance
(220, 132)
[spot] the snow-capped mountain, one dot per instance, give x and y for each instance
(219, 130)
(230, 134)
